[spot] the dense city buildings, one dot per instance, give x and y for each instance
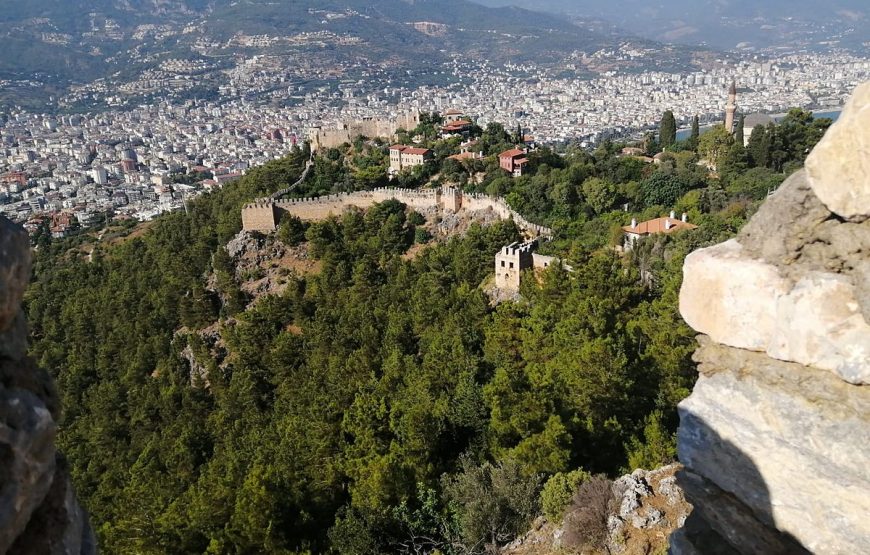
(142, 161)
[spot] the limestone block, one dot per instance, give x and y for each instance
(790, 442)
(730, 296)
(747, 303)
(14, 270)
(839, 166)
(819, 323)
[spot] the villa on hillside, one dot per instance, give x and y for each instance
(655, 226)
(402, 157)
(458, 127)
(513, 161)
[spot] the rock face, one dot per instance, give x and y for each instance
(775, 437)
(839, 167)
(38, 510)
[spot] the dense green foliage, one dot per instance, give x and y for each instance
(381, 405)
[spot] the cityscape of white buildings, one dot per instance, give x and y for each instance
(132, 163)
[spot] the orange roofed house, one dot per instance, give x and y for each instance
(513, 161)
(402, 157)
(637, 230)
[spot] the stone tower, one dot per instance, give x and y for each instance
(731, 107)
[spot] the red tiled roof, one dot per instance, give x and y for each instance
(412, 150)
(513, 153)
(651, 227)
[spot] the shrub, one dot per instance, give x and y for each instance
(591, 508)
(559, 490)
(492, 504)
(291, 230)
(421, 236)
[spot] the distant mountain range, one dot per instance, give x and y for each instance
(724, 23)
(81, 39)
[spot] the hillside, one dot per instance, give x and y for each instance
(58, 43)
(347, 385)
(723, 24)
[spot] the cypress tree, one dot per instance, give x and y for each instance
(668, 130)
(738, 133)
(696, 132)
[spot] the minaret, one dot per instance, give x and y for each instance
(730, 108)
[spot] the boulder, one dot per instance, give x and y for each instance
(790, 443)
(730, 296)
(747, 303)
(819, 324)
(786, 223)
(27, 460)
(839, 166)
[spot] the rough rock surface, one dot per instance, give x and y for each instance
(839, 167)
(775, 437)
(649, 506)
(38, 510)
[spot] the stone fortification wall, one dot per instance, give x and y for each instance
(263, 215)
(259, 216)
(775, 437)
(350, 130)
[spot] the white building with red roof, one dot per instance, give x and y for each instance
(402, 157)
(655, 226)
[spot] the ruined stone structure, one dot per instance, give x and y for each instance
(348, 131)
(513, 259)
(38, 508)
(775, 437)
(264, 215)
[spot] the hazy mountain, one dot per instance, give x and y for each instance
(62, 41)
(724, 23)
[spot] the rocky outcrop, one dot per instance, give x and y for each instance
(38, 510)
(648, 505)
(775, 437)
(839, 165)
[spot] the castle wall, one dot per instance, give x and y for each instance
(332, 138)
(260, 216)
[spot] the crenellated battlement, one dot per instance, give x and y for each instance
(264, 214)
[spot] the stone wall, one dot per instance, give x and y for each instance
(348, 131)
(259, 216)
(38, 509)
(256, 216)
(775, 437)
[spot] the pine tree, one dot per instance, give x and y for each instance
(668, 130)
(738, 133)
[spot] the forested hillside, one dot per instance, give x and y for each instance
(382, 404)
